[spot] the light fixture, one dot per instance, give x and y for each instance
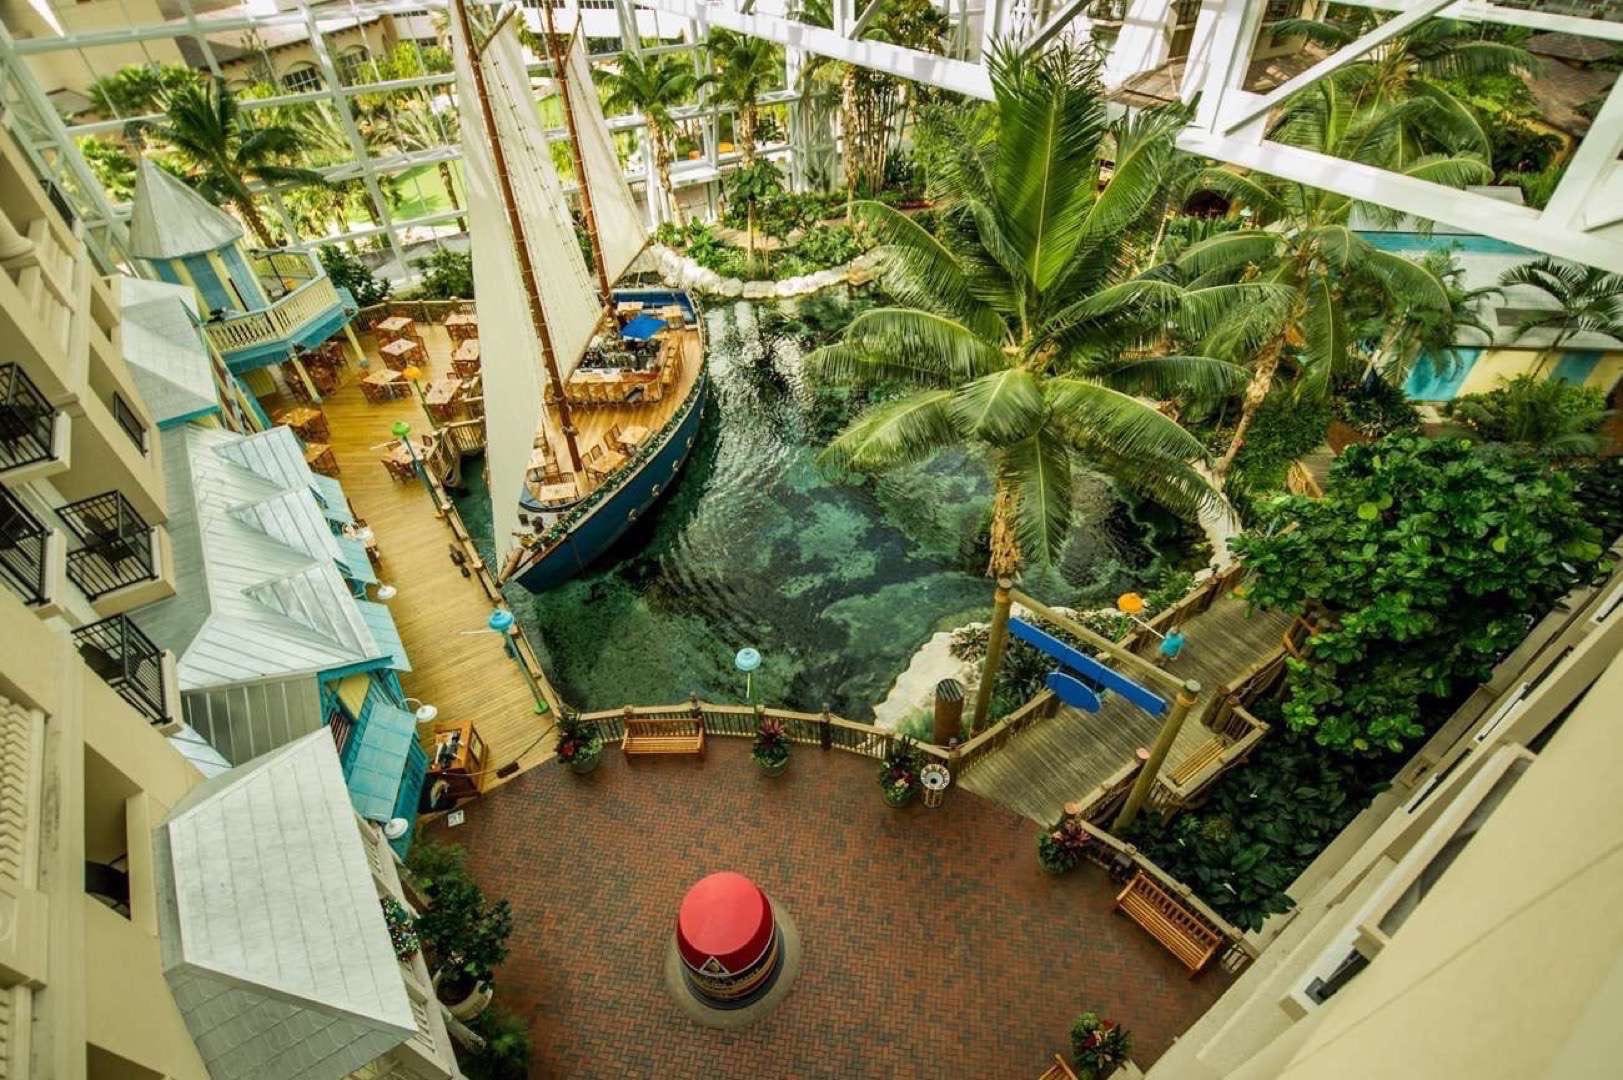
(396, 828)
(387, 592)
(426, 714)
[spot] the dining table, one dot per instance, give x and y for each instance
(320, 458)
(307, 420)
(401, 353)
(564, 491)
(462, 326)
(398, 326)
(440, 399)
(633, 436)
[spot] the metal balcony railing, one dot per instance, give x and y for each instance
(27, 420)
(131, 422)
(117, 544)
(127, 661)
(22, 549)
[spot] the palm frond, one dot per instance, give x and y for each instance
(925, 340)
(1229, 251)
(1324, 353)
(1410, 281)
(919, 270)
(894, 433)
(1097, 415)
(999, 408)
(1200, 379)
(1039, 469)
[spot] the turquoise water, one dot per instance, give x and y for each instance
(837, 584)
(1410, 242)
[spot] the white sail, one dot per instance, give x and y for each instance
(513, 368)
(622, 231)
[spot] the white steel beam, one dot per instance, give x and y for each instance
(856, 28)
(1347, 54)
(1531, 18)
(1058, 21)
(956, 75)
(1433, 202)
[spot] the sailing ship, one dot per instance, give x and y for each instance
(593, 394)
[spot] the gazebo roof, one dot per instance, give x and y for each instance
(170, 220)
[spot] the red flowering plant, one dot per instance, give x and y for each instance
(1098, 1047)
(899, 779)
(1063, 847)
(578, 740)
(771, 750)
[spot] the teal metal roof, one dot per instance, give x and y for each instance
(384, 631)
(330, 494)
(379, 759)
(357, 567)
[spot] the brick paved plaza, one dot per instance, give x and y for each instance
(934, 946)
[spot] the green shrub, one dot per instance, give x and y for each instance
(507, 1051)
(1376, 408)
(447, 274)
(1284, 430)
(349, 272)
(1541, 414)
(1425, 562)
(1262, 824)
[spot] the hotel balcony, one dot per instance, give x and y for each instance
(34, 434)
(121, 560)
(133, 666)
(31, 556)
(305, 309)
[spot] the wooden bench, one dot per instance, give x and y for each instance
(1169, 922)
(644, 736)
(1058, 1071)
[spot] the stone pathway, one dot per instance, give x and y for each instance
(934, 945)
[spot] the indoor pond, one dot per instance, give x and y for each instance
(836, 582)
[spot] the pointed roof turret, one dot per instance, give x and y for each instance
(171, 220)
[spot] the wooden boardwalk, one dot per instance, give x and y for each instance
(457, 664)
(1065, 757)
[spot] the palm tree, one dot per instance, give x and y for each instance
(206, 126)
(1016, 314)
(867, 99)
(1586, 300)
(1423, 330)
(1546, 415)
(745, 68)
(652, 86)
(1307, 248)
(1416, 66)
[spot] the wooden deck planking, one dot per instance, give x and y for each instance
(593, 421)
(1063, 758)
(463, 674)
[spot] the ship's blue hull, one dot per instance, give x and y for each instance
(630, 502)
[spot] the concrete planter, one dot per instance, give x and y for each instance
(772, 770)
(585, 763)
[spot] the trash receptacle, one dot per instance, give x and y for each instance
(935, 779)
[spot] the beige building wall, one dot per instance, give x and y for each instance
(66, 70)
(1506, 961)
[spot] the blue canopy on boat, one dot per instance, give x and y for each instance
(642, 328)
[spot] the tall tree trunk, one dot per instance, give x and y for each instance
(662, 165)
(852, 156)
(746, 134)
(256, 222)
(448, 179)
(1005, 543)
(1256, 392)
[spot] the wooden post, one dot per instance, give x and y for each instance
(355, 343)
(949, 712)
(995, 639)
(304, 377)
(825, 730)
(1158, 753)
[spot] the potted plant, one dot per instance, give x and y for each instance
(580, 744)
(468, 938)
(402, 932)
(505, 1054)
(899, 779)
(1098, 1047)
(771, 750)
(1062, 848)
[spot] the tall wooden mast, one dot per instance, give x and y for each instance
(515, 225)
(560, 72)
